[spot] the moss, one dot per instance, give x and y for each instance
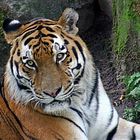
(126, 18)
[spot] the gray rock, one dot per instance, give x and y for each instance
(27, 9)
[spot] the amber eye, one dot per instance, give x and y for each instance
(60, 56)
(30, 63)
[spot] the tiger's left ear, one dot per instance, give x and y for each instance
(68, 21)
(11, 29)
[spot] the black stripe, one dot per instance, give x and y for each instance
(1, 86)
(28, 33)
(112, 133)
(51, 40)
(66, 41)
(79, 77)
(133, 133)
(69, 61)
(28, 40)
(97, 105)
(80, 49)
(78, 112)
(31, 24)
(18, 52)
(111, 116)
(34, 24)
(37, 21)
(10, 123)
(40, 35)
(39, 27)
(36, 45)
(75, 53)
(66, 35)
(16, 118)
(18, 75)
(62, 117)
(80, 115)
(68, 90)
(49, 29)
(22, 87)
(51, 35)
(11, 65)
(49, 23)
(78, 66)
(45, 43)
(28, 29)
(16, 65)
(94, 87)
(14, 48)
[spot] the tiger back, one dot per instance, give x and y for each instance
(52, 86)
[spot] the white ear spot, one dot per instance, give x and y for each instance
(14, 22)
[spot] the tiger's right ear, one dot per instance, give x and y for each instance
(11, 29)
(68, 21)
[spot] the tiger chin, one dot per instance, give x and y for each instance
(51, 77)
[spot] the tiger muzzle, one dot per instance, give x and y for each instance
(53, 93)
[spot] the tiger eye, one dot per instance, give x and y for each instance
(59, 56)
(30, 63)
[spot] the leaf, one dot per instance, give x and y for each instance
(135, 93)
(137, 106)
(132, 81)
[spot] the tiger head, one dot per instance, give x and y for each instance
(47, 60)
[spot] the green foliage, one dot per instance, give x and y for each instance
(124, 17)
(131, 114)
(133, 93)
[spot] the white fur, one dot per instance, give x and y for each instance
(25, 51)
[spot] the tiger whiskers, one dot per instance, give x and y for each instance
(37, 104)
(31, 99)
(78, 90)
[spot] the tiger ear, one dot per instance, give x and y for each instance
(11, 29)
(68, 21)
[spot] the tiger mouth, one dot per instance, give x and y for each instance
(49, 101)
(68, 100)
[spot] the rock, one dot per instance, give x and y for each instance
(27, 9)
(106, 7)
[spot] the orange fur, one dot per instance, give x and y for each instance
(32, 124)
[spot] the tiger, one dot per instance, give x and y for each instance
(52, 86)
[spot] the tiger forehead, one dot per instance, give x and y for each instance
(44, 36)
(40, 22)
(40, 28)
(41, 32)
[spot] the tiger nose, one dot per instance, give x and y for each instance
(53, 93)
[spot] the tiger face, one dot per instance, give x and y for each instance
(47, 60)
